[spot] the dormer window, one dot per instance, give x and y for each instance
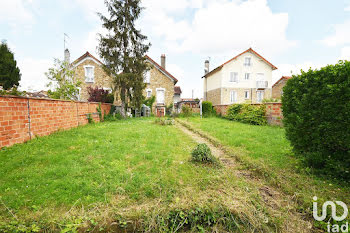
(247, 61)
(89, 74)
(147, 77)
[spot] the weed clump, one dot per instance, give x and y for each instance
(202, 153)
(165, 121)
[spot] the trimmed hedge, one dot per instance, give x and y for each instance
(247, 113)
(316, 109)
(207, 109)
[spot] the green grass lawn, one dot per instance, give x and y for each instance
(131, 170)
(266, 147)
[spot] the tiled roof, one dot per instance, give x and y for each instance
(177, 90)
(283, 77)
(161, 68)
(248, 50)
(87, 54)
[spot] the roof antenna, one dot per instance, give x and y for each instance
(65, 36)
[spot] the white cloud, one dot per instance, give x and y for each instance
(92, 7)
(219, 27)
(345, 53)
(340, 36)
(16, 13)
(33, 73)
(347, 8)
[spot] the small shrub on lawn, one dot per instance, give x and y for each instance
(202, 153)
(89, 118)
(165, 121)
(113, 117)
(207, 109)
(247, 113)
(186, 111)
(316, 109)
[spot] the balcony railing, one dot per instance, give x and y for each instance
(261, 84)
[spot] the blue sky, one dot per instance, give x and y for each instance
(291, 34)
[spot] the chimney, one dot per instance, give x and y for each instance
(162, 61)
(206, 67)
(67, 56)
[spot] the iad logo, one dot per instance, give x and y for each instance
(335, 227)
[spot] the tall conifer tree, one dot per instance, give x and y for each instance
(123, 50)
(9, 71)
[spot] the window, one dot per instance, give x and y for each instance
(160, 95)
(247, 61)
(260, 77)
(147, 77)
(259, 96)
(233, 96)
(246, 76)
(89, 74)
(246, 94)
(234, 77)
(148, 93)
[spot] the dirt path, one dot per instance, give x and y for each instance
(277, 202)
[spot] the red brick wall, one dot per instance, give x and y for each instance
(24, 118)
(274, 114)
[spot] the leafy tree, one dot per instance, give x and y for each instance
(9, 71)
(123, 51)
(150, 101)
(100, 95)
(63, 81)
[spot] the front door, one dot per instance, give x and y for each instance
(160, 112)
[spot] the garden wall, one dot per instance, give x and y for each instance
(22, 118)
(274, 114)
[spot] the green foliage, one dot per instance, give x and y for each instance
(271, 100)
(149, 102)
(247, 113)
(12, 91)
(99, 111)
(123, 50)
(207, 109)
(186, 111)
(113, 117)
(200, 220)
(9, 71)
(63, 81)
(316, 111)
(202, 153)
(165, 121)
(169, 109)
(89, 118)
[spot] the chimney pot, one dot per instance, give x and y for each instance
(67, 56)
(206, 67)
(162, 61)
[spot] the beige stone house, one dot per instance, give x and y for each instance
(246, 78)
(277, 88)
(160, 82)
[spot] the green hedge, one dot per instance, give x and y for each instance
(316, 109)
(247, 113)
(207, 109)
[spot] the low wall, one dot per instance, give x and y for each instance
(274, 114)
(22, 118)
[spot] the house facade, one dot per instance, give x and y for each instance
(246, 78)
(277, 88)
(159, 82)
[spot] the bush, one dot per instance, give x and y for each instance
(207, 109)
(186, 111)
(113, 117)
(100, 95)
(202, 153)
(247, 113)
(165, 121)
(316, 111)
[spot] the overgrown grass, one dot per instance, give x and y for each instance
(265, 148)
(130, 174)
